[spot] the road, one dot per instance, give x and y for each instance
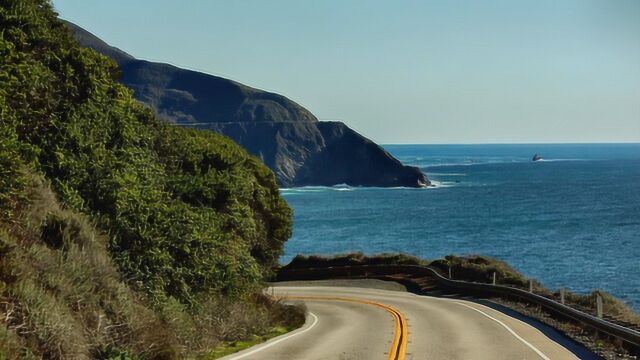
(366, 324)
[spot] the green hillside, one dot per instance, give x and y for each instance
(119, 233)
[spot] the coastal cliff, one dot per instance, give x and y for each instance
(288, 138)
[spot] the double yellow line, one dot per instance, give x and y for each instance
(399, 345)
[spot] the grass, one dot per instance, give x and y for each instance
(611, 306)
(478, 268)
(61, 297)
(231, 347)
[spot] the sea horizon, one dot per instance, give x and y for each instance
(568, 221)
(517, 143)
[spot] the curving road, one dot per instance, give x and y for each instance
(359, 323)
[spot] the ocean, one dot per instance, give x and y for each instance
(570, 220)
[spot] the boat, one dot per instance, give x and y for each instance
(536, 157)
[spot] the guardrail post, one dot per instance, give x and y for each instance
(599, 305)
(450, 272)
(530, 285)
(494, 278)
(562, 291)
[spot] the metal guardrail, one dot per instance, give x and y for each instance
(629, 336)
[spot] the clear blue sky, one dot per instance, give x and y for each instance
(407, 71)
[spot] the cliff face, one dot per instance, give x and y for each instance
(320, 153)
(287, 137)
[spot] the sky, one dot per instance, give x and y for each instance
(490, 71)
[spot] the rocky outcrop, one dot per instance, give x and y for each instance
(287, 137)
(320, 153)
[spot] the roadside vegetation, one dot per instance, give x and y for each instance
(121, 236)
(475, 268)
(478, 268)
(230, 347)
(303, 261)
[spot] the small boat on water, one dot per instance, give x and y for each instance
(536, 157)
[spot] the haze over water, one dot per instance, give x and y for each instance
(571, 220)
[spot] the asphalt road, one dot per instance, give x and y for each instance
(357, 323)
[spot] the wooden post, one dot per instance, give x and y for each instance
(599, 305)
(530, 286)
(562, 291)
(449, 271)
(494, 278)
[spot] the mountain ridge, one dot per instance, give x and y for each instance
(289, 139)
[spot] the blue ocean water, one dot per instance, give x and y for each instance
(571, 220)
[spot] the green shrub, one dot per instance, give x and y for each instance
(69, 301)
(12, 177)
(477, 268)
(187, 211)
(113, 353)
(302, 261)
(611, 306)
(120, 236)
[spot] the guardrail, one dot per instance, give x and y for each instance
(629, 336)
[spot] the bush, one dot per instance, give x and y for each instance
(302, 261)
(12, 178)
(187, 211)
(120, 236)
(69, 300)
(477, 268)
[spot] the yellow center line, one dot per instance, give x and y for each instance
(399, 345)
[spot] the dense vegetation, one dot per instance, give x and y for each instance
(119, 233)
(353, 259)
(478, 268)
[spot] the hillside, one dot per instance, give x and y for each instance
(121, 235)
(287, 137)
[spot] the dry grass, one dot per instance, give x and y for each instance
(302, 261)
(611, 306)
(478, 268)
(11, 345)
(62, 298)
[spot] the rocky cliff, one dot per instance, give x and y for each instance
(287, 137)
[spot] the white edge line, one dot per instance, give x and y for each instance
(270, 344)
(542, 355)
(513, 318)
